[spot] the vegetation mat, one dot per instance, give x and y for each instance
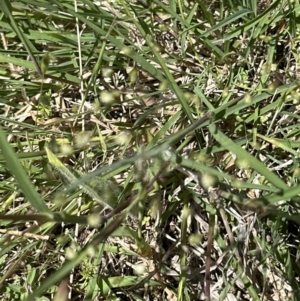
(149, 150)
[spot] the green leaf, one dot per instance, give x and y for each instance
(17, 170)
(227, 143)
(5, 6)
(104, 191)
(45, 63)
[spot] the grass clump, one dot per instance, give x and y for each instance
(149, 150)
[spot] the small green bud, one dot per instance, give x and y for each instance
(256, 145)
(71, 252)
(163, 85)
(163, 27)
(208, 181)
(94, 220)
(272, 87)
(195, 239)
(107, 72)
(238, 184)
(109, 97)
(126, 50)
(133, 75)
(248, 99)
(243, 164)
(225, 92)
(239, 118)
(66, 149)
(45, 63)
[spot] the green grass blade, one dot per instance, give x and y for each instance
(104, 191)
(226, 21)
(243, 154)
(7, 9)
(21, 177)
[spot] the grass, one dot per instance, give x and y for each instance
(149, 150)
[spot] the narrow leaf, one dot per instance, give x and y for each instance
(104, 191)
